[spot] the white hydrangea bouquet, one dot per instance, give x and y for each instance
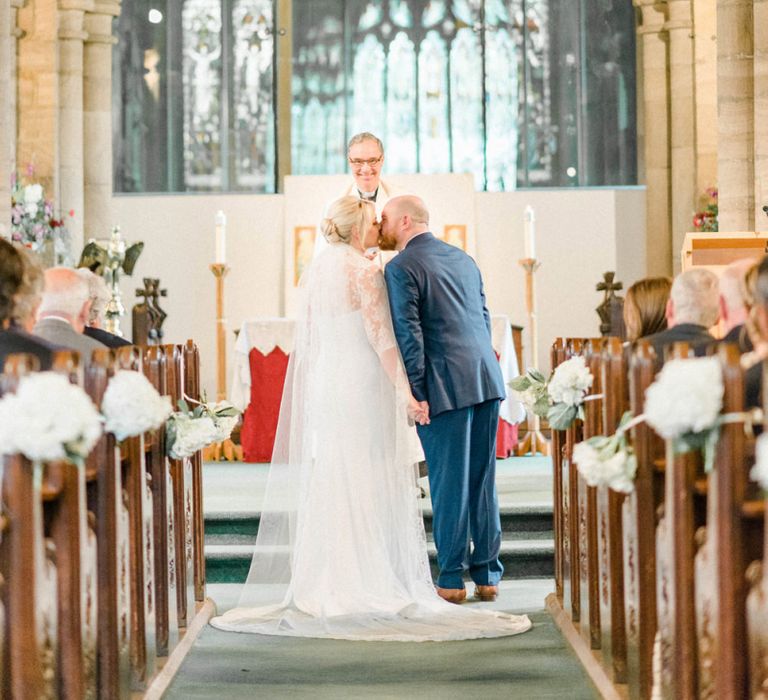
(48, 419)
(608, 461)
(560, 399)
(759, 472)
(684, 403)
(132, 406)
(188, 431)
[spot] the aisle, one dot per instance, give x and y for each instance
(537, 664)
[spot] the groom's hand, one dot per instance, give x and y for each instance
(425, 411)
(418, 411)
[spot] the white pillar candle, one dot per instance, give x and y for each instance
(221, 238)
(530, 233)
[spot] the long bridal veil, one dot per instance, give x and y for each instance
(341, 550)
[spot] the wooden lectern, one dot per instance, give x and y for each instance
(717, 250)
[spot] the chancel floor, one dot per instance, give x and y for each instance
(537, 664)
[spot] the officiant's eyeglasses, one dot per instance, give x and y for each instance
(360, 162)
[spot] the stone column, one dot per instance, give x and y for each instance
(682, 123)
(656, 119)
(761, 113)
(736, 115)
(14, 67)
(705, 88)
(97, 93)
(38, 93)
(71, 36)
(6, 135)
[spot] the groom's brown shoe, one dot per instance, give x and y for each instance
(486, 593)
(452, 595)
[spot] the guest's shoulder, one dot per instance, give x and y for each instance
(109, 339)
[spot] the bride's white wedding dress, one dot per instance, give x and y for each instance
(341, 550)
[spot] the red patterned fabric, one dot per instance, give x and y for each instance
(506, 439)
(260, 419)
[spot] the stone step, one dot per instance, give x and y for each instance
(517, 522)
(522, 558)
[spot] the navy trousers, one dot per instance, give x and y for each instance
(460, 449)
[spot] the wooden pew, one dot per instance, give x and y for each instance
(69, 527)
(107, 500)
(589, 577)
(163, 518)
(29, 597)
(683, 512)
(557, 355)
(570, 507)
(192, 388)
(638, 522)
(142, 600)
(183, 501)
(613, 641)
(731, 540)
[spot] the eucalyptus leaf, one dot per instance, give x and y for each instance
(541, 407)
(537, 376)
(520, 383)
(561, 415)
(183, 406)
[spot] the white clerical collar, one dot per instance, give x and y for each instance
(369, 196)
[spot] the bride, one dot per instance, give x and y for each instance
(341, 551)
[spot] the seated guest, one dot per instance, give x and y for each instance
(645, 306)
(30, 292)
(14, 339)
(759, 321)
(692, 308)
(64, 311)
(99, 296)
(734, 306)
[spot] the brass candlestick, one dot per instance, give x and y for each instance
(227, 449)
(534, 442)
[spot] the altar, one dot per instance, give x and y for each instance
(261, 361)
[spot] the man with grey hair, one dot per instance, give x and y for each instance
(99, 295)
(365, 155)
(733, 303)
(64, 311)
(692, 308)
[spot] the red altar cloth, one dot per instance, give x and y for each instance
(506, 439)
(260, 420)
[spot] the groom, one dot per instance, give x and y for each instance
(443, 330)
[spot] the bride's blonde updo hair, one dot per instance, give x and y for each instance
(346, 214)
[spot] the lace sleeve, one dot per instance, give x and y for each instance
(377, 320)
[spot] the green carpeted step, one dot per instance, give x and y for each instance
(524, 558)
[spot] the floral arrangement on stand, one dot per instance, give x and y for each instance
(706, 220)
(34, 224)
(132, 406)
(188, 431)
(48, 419)
(560, 398)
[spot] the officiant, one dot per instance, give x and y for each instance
(365, 155)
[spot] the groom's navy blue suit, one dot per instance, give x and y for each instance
(444, 334)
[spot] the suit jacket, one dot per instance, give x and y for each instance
(696, 336)
(442, 325)
(109, 339)
(59, 331)
(15, 340)
(739, 336)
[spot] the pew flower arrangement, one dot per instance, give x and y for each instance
(759, 472)
(48, 419)
(132, 406)
(608, 461)
(559, 399)
(683, 405)
(188, 431)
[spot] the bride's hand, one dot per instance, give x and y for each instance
(418, 411)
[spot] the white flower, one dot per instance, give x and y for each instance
(759, 472)
(619, 472)
(570, 382)
(604, 467)
(588, 463)
(33, 194)
(191, 435)
(528, 397)
(224, 427)
(48, 418)
(132, 406)
(686, 397)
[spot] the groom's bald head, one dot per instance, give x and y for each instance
(402, 218)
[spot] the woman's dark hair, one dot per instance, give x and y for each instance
(11, 275)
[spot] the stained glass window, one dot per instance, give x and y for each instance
(519, 93)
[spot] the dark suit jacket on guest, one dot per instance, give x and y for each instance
(442, 325)
(14, 340)
(738, 334)
(59, 331)
(696, 336)
(109, 339)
